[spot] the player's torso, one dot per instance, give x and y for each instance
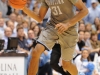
(61, 10)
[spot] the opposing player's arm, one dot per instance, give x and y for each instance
(39, 17)
(83, 11)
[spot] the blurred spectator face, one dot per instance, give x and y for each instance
(20, 33)
(87, 35)
(19, 25)
(88, 27)
(10, 24)
(81, 35)
(94, 38)
(30, 34)
(25, 25)
(36, 30)
(82, 27)
(8, 32)
(0, 14)
(33, 24)
(13, 17)
(85, 54)
(1, 22)
(94, 5)
(96, 21)
(19, 19)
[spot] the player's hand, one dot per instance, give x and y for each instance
(61, 27)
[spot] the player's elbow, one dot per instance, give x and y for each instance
(85, 11)
(40, 20)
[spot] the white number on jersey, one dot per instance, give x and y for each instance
(56, 10)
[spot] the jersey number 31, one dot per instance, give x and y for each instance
(56, 10)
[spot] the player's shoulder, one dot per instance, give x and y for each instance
(74, 1)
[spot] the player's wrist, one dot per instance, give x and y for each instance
(68, 25)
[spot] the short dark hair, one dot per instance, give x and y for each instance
(93, 33)
(19, 28)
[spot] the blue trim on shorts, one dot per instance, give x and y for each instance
(46, 48)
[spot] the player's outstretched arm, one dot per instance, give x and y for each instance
(39, 17)
(83, 11)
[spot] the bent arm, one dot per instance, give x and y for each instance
(39, 17)
(83, 12)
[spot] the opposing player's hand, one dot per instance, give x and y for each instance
(61, 27)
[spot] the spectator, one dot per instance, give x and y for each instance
(3, 8)
(88, 27)
(87, 36)
(81, 27)
(92, 10)
(33, 24)
(25, 26)
(7, 33)
(95, 44)
(13, 17)
(22, 42)
(37, 31)
(31, 37)
(23, 45)
(19, 25)
(11, 25)
(19, 19)
(81, 42)
(96, 23)
(82, 61)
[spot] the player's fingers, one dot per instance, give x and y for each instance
(61, 29)
(57, 26)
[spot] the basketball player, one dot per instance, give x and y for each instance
(61, 27)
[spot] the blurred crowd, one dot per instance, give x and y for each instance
(15, 23)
